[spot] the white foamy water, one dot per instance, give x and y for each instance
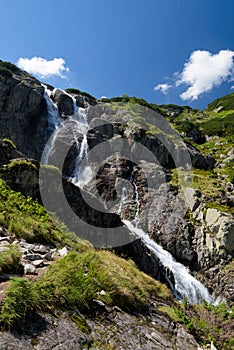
(54, 122)
(186, 286)
(82, 173)
(136, 219)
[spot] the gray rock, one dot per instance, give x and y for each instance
(222, 225)
(64, 102)
(192, 198)
(29, 269)
(38, 263)
(33, 257)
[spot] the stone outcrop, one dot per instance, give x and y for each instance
(22, 176)
(8, 151)
(222, 226)
(23, 112)
(111, 327)
(34, 257)
(63, 101)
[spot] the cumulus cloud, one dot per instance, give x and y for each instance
(232, 87)
(163, 88)
(43, 67)
(204, 71)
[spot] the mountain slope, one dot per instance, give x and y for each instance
(89, 288)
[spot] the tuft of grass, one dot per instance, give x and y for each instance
(75, 281)
(8, 141)
(19, 162)
(21, 298)
(10, 259)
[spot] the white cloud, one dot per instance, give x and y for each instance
(204, 71)
(43, 67)
(232, 87)
(163, 88)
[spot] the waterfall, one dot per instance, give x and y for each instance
(54, 122)
(186, 286)
(136, 219)
(124, 197)
(82, 173)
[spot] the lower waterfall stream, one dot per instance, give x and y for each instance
(186, 286)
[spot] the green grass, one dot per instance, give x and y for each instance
(133, 100)
(21, 298)
(7, 69)
(219, 124)
(205, 321)
(76, 280)
(8, 141)
(226, 102)
(29, 220)
(78, 92)
(9, 259)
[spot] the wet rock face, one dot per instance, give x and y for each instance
(23, 112)
(64, 102)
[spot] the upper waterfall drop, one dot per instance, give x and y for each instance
(186, 286)
(82, 172)
(54, 122)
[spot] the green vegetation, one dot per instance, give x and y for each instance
(178, 315)
(223, 103)
(133, 100)
(21, 297)
(78, 92)
(29, 220)
(205, 321)
(9, 259)
(221, 124)
(184, 125)
(16, 163)
(220, 207)
(7, 69)
(11, 143)
(78, 279)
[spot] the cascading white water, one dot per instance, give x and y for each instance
(136, 219)
(186, 286)
(54, 122)
(82, 172)
(124, 197)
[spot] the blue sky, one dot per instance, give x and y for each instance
(129, 47)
